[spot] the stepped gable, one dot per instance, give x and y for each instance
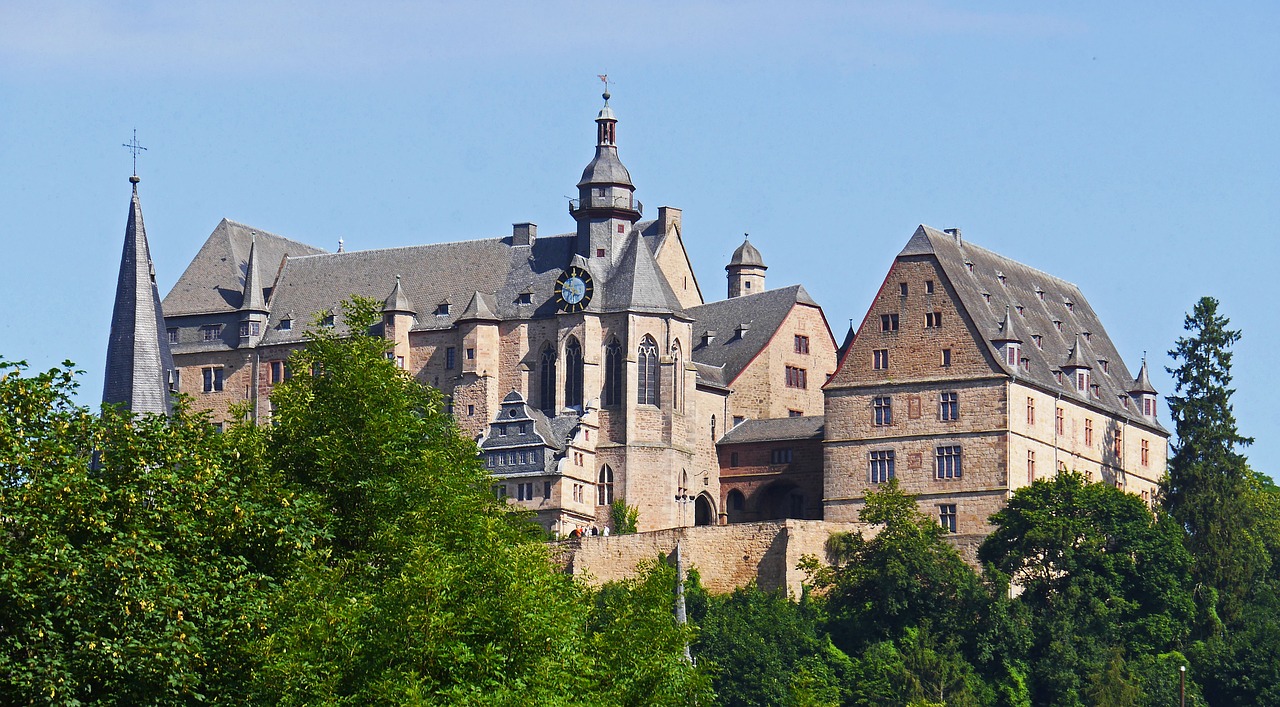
(762, 312)
(139, 360)
(775, 430)
(637, 284)
(214, 280)
(1044, 299)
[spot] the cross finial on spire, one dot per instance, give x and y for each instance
(134, 148)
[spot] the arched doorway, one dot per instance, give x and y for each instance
(703, 512)
(736, 506)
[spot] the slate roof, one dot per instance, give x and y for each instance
(1143, 382)
(138, 355)
(214, 280)
(775, 430)
(1042, 305)
(637, 284)
(252, 298)
(550, 433)
(605, 168)
(762, 313)
(398, 301)
(747, 255)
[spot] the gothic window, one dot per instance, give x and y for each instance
(573, 373)
(677, 375)
(547, 380)
(613, 373)
(647, 361)
(604, 490)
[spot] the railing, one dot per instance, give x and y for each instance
(619, 202)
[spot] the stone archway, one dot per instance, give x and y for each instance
(703, 512)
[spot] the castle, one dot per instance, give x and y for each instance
(589, 367)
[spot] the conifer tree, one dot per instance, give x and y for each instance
(1210, 490)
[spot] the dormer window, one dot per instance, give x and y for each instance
(1021, 311)
(1148, 406)
(1040, 294)
(1057, 324)
(969, 264)
(286, 325)
(1071, 306)
(328, 320)
(986, 296)
(1013, 354)
(1038, 340)
(524, 298)
(1086, 335)
(1082, 380)
(442, 309)
(1102, 363)
(1093, 390)
(1000, 277)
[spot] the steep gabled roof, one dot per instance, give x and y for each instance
(138, 355)
(762, 313)
(637, 284)
(1045, 308)
(252, 299)
(214, 281)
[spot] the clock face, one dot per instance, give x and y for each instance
(574, 289)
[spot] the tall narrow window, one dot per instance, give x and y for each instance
(1031, 466)
(1118, 446)
(947, 516)
(547, 380)
(1146, 453)
(880, 359)
(1088, 433)
(1031, 411)
(573, 373)
(948, 406)
(677, 375)
(882, 409)
(612, 393)
(1060, 422)
(604, 489)
(647, 365)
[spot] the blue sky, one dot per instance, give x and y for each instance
(1130, 148)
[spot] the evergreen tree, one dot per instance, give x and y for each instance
(1210, 489)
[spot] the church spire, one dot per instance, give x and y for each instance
(139, 362)
(606, 208)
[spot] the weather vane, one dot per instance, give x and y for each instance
(134, 148)
(605, 79)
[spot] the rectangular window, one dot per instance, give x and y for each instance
(173, 336)
(948, 466)
(286, 324)
(902, 288)
(802, 344)
(948, 406)
(880, 359)
(1060, 422)
(881, 466)
(888, 322)
(500, 491)
(1031, 411)
(1149, 407)
(733, 458)
(795, 413)
(450, 357)
(932, 320)
(546, 490)
(882, 409)
(781, 455)
(277, 371)
(1031, 466)
(946, 358)
(213, 379)
(471, 354)
(947, 516)
(524, 298)
(1118, 447)
(471, 411)
(1088, 433)
(928, 287)
(1146, 453)
(442, 309)
(212, 333)
(797, 377)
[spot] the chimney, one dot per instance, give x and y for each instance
(955, 233)
(523, 233)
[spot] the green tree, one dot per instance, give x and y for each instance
(765, 649)
(624, 517)
(1097, 570)
(1210, 490)
(138, 556)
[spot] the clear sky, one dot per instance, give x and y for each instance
(1130, 148)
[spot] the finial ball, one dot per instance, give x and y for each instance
(605, 95)
(135, 179)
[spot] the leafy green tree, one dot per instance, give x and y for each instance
(138, 556)
(765, 649)
(425, 588)
(1210, 489)
(1097, 571)
(638, 646)
(624, 517)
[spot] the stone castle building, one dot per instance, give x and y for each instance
(589, 367)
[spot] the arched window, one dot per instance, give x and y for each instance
(547, 380)
(677, 376)
(604, 490)
(612, 392)
(573, 373)
(647, 364)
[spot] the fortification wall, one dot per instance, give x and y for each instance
(726, 556)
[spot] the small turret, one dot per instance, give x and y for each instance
(1143, 394)
(1077, 368)
(397, 320)
(1008, 342)
(253, 306)
(746, 270)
